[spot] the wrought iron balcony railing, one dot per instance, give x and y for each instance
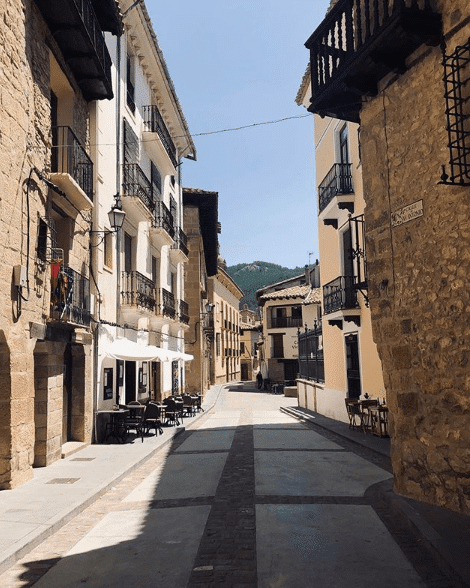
(184, 312)
(69, 156)
(162, 218)
(361, 41)
(311, 360)
(77, 31)
(276, 322)
(138, 290)
(70, 296)
(339, 294)
(168, 304)
(337, 181)
(137, 185)
(154, 123)
(181, 241)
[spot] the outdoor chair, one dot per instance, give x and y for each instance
(135, 419)
(152, 419)
(188, 405)
(197, 402)
(354, 413)
(171, 412)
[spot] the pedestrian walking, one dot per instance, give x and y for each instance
(259, 380)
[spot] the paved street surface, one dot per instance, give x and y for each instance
(246, 497)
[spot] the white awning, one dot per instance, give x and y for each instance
(131, 351)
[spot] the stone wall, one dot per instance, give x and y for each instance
(25, 141)
(418, 273)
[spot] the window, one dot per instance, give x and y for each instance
(343, 145)
(217, 344)
(130, 82)
(127, 253)
(242, 347)
(296, 312)
(155, 271)
(108, 249)
(156, 181)
(277, 348)
(42, 240)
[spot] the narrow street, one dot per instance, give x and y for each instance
(246, 497)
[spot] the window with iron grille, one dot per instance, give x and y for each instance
(457, 97)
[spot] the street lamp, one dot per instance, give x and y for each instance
(116, 218)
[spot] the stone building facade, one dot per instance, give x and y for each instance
(417, 227)
(201, 226)
(46, 183)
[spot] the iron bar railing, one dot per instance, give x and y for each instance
(137, 185)
(457, 96)
(154, 123)
(181, 241)
(168, 304)
(70, 296)
(162, 218)
(184, 312)
(276, 322)
(138, 290)
(339, 294)
(69, 156)
(337, 181)
(311, 359)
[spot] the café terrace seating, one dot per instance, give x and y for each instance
(367, 415)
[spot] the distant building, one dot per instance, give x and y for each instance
(201, 224)
(225, 296)
(286, 307)
(250, 334)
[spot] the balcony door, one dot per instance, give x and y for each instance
(353, 373)
(349, 294)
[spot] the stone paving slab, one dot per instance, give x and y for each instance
(120, 551)
(329, 546)
(214, 440)
(293, 439)
(297, 473)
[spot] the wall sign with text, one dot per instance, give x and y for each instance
(407, 213)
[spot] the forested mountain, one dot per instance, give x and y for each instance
(253, 276)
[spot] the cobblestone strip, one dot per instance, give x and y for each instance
(227, 552)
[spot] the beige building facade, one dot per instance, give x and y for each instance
(225, 296)
(285, 308)
(352, 367)
(412, 124)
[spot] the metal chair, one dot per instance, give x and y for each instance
(135, 419)
(171, 412)
(152, 419)
(188, 405)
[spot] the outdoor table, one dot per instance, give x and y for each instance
(115, 427)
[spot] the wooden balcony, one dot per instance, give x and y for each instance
(360, 42)
(78, 31)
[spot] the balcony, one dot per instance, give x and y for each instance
(163, 150)
(137, 291)
(162, 230)
(179, 250)
(358, 43)
(77, 30)
(337, 184)
(167, 304)
(283, 322)
(71, 168)
(339, 294)
(70, 296)
(137, 190)
(184, 312)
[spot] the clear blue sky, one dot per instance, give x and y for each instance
(235, 63)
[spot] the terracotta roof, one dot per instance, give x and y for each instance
(293, 292)
(313, 297)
